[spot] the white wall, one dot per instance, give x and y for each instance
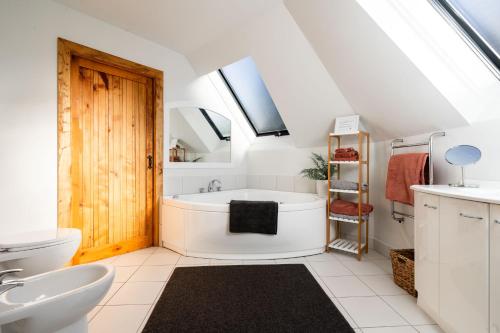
(389, 233)
(28, 99)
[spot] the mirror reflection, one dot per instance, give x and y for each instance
(463, 155)
(199, 135)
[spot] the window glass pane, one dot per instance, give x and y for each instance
(483, 19)
(250, 91)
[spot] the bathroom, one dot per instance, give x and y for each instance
(403, 68)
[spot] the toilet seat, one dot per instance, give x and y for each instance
(38, 239)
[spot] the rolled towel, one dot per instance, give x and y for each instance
(346, 185)
(349, 208)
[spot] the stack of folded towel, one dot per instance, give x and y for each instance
(338, 184)
(346, 154)
(349, 210)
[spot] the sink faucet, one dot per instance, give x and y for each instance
(6, 285)
(212, 187)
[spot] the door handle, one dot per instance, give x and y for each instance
(471, 217)
(150, 161)
(429, 206)
(497, 221)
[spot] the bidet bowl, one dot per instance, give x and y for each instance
(56, 301)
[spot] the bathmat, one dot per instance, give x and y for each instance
(245, 298)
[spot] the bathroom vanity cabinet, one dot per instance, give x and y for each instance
(457, 257)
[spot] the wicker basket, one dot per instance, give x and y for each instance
(403, 268)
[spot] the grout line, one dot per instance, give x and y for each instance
(393, 309)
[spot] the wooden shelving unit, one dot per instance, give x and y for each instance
(363, 194)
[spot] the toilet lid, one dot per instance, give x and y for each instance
(37, 239)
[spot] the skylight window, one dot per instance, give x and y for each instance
(479, 23)
(248, 89)
(220, 124)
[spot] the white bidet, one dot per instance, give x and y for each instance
(56, 301)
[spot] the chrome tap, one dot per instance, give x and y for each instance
(212, 187)
(9, 284)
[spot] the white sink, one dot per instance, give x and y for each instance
(56, 301)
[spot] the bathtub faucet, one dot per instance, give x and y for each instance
(6, 285)
(212, 187)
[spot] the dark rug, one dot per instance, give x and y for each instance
(259, 298)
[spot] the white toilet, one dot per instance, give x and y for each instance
(38, 251)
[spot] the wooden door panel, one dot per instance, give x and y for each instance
(112, 135)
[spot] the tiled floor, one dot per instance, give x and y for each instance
(362, 291)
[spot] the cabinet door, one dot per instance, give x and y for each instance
(463, 268)
(495, 268)
(427, 252)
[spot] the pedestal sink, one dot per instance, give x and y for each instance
(56, 301)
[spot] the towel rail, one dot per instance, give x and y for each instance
(399, 143)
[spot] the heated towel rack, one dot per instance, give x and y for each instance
(399, 143)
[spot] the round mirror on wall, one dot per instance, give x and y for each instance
(462, 156)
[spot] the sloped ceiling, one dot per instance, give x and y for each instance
(320, 59)
(305, 94)
(182, 25)
(379, 81)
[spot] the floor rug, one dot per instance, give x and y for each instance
(245, 298)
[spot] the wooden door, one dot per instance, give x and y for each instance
(495, 268)
(112, 164)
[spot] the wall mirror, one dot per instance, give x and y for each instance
(199, 135)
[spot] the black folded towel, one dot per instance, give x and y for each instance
(260, 217)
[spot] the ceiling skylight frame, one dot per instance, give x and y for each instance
(471, 37)
(277, 133)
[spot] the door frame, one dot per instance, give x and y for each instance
(66, 50)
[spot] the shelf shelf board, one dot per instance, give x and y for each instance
(348, 134)
(335, 190)
(345, 245)
(348, 162)
(339, 219)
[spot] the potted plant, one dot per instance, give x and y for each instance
(319, 173)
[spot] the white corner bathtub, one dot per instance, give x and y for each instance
(197, 225)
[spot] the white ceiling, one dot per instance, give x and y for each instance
(182, 25)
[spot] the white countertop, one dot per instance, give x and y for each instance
(481, 194)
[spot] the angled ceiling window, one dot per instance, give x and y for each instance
(220, 124)
(479, 23)
(248, 89)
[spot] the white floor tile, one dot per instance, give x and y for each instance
(299, 260)
(192, 261)
(107, 261)
(152, 273)
(259, 262)
(364, 267)
(93, 312)
(407, 307)
(136, 293)
(123, 273)
(123, 319)
(371, 312)
(146, 250)
(223, 262)
(374, 255)
(131, 259)
(329, 268)
(112, 290)
(398, 329)
(327, 256)
(162, 258)
(347, 286)
(385, 265)
(344, 312)
(428, 329)
(382, 284)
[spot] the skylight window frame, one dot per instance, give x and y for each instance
(214, 126)
(244, 111)
(471, 37)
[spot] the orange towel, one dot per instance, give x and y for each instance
(405, 170)
(349, 208)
